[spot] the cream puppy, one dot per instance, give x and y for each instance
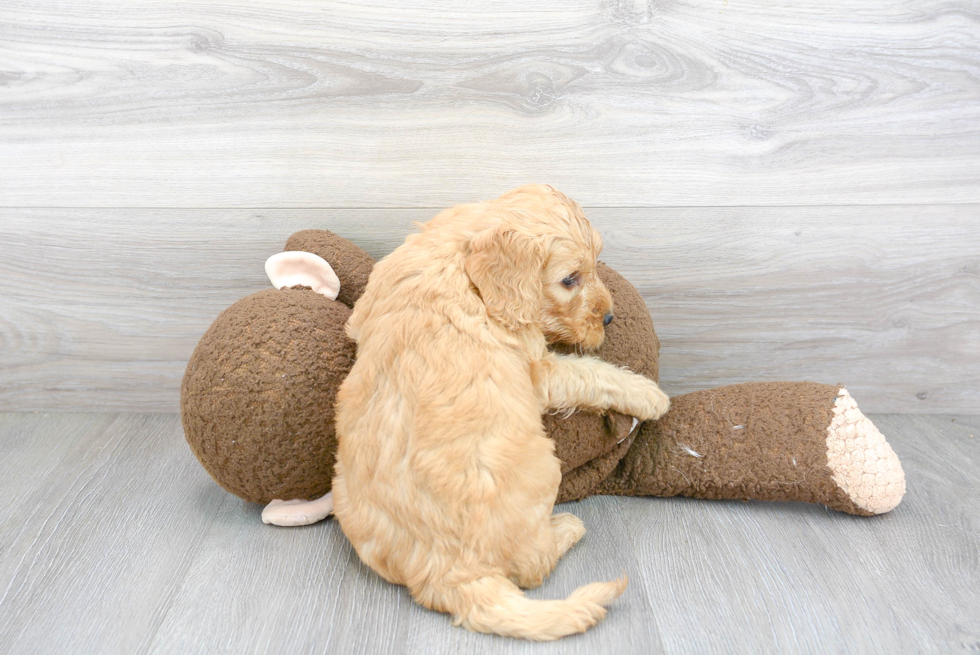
(445, 480)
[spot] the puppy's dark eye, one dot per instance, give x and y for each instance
(570, 281)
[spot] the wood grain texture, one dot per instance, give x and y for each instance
(162, 103)
(102, 308)
(122, 544)
(97, 533)
(885, 300)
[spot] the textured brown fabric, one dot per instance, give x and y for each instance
(228, 390)
(763, 441)
(257, 405)
(583, 479)
(351, 264)
(258, 394)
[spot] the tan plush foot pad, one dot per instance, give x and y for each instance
(291, 513)
(862, 463)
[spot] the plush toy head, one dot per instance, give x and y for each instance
(257, 397)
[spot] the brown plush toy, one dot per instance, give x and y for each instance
(257, 407)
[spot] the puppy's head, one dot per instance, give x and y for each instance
(536, 267)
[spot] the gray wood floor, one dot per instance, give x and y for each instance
(114, 540)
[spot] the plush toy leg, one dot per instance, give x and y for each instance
(289, 513)
(766, 441)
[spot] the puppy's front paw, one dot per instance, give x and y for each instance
(652, 402)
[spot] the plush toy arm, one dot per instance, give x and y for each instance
(766, 441)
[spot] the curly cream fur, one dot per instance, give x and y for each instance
(445, 480)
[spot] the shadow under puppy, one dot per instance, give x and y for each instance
(445, 481)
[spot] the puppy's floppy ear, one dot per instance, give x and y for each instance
(505, 266)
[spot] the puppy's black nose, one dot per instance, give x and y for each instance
(607, 319)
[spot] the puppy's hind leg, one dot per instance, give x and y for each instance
(567, 529)
(561, 533)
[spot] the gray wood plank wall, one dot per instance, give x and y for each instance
(795, 189)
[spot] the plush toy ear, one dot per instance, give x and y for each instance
(505, 266)
(296, 268)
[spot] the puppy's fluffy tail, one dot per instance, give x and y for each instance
(495, 604)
